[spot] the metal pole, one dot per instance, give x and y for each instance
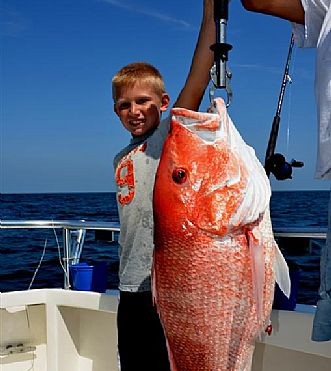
(66, 247)
(221, 16)
(220, 76)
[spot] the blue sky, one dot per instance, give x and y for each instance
(58, 130)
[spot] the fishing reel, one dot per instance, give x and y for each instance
(279, 167)
(275, 162)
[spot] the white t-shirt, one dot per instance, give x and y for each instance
(317, 33)
(135, 169)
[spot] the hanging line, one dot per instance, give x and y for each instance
(289, 112)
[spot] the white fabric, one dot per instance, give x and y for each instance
(317, 33)
(135, 207)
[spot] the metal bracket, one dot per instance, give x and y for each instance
(15, 348)
(213, 88)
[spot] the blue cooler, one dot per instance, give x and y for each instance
(85, 277)
(81, 276)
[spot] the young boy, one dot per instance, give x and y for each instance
(139, 100)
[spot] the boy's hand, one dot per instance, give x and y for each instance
(192, 93)
(209, 4)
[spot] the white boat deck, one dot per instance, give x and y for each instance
(290, 347)
(63, 330)
(58, 330)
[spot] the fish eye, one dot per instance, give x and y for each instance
(179, 176)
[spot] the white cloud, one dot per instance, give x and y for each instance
(258, 67)
(12, 23)
(148, 12)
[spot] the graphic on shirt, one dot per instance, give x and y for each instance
(124, 176)
(125, 180)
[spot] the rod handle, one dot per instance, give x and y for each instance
(272, 141)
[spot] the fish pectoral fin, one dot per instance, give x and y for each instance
(254, 239)
(282, 272)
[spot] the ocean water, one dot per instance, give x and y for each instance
(21, 250)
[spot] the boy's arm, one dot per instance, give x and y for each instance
(291, 10)
(198, 78)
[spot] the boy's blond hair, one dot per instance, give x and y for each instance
(132, 73)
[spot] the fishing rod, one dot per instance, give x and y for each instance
(275, 163)
(219, 74)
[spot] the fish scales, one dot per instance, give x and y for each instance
(214, 259)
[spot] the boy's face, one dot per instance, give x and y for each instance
(139, 108)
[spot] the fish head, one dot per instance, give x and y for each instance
(203, 179)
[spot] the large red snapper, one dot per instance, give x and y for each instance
(215, 258)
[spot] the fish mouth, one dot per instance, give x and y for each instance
(209, 131)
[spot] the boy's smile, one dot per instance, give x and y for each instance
(139, 108)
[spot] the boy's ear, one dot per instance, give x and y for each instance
(115, 109)
(165, 100)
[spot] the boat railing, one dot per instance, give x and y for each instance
(302, 232)
(73, 232)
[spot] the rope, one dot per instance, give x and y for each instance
(39, 264)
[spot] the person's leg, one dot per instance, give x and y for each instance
(141, 341)
(322, 320)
